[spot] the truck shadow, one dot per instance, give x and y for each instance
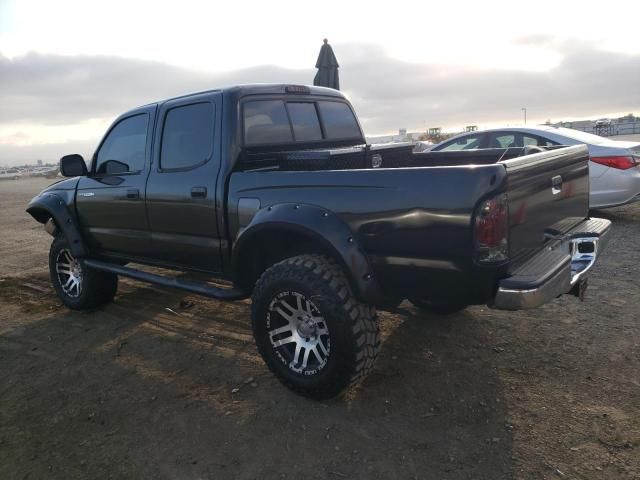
(164, 385)
(625, 213)
(439, 381)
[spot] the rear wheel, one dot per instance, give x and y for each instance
(311, 331)
(438, 307)
(77, 286)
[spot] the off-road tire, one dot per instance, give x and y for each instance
(97, 288)
(353, 330)
(439, 308)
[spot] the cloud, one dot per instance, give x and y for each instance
(43, 89)
(586, 82)
(54, 89)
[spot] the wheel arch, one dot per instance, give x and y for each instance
(284, 230)
(52, 206)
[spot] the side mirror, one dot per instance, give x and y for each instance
(73, 166)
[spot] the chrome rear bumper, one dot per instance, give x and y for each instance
(583, 245)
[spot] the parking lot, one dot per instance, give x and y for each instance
(163, 384)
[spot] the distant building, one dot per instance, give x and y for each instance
(402, 136)
(626, 125)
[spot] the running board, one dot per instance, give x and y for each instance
(201, 288)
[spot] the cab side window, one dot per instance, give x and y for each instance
(124, 149)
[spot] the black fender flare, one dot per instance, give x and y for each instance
(323, 226)
(51, 205)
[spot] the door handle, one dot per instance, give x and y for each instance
(199, 192)
(133, 194)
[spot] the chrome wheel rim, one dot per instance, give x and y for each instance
(69, 272)
(298, 333)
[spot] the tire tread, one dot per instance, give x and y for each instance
(98, 288)
(317, 271)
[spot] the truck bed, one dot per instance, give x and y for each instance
(373, 156)
(416, 222)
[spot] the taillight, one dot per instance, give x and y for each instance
(619, 161)
(492, 230)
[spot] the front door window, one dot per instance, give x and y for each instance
(123, 151)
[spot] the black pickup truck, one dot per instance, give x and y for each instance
(272, 193)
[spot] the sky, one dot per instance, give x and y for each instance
(68, 68)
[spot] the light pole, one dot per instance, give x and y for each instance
(525, 114)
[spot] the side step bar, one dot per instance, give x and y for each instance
(200, 288)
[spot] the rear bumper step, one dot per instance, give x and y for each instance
(201, 288)
(555, 271)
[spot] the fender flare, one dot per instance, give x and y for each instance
(51, 205)
(321, 225)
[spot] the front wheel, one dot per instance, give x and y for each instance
(77, 286)
(311, 331)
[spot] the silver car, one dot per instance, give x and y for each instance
(614, 170)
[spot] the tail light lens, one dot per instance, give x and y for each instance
(619, 161)
(492, 230)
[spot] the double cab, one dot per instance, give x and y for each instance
(272, 192)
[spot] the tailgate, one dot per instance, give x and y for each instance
(548, 195)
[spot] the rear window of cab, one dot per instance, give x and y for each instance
(269, 122)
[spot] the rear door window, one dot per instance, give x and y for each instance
(265, 122)
(339, 121)
(187, 136)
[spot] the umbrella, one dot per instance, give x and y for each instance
(327, 66)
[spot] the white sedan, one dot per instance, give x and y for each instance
(614, 170)
(10, 173)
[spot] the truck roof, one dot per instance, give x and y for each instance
(258, 89)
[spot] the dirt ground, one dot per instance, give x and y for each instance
(144, 387)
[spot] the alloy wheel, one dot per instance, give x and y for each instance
(298, 333)
(69, 273)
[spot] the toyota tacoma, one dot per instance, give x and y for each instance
(272, 192)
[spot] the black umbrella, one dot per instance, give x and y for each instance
(327, 66)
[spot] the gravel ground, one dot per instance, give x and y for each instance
(145, 387)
